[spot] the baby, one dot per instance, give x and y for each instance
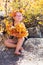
(17, 16)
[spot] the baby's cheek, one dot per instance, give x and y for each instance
(20, 17)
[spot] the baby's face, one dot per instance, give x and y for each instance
(18, 17)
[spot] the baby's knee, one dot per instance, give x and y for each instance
(23, 39)
(6, 43)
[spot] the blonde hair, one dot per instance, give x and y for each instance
(13, 14)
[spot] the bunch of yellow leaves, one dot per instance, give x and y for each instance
(19, 30)
(40, 22)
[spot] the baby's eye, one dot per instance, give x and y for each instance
(18, 15)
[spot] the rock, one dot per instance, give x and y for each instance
(2, 47)
(34, 45)
(41, 29)
(34, 32)
(33, 51)
(1, 35)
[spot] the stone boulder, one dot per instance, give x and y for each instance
(34, 32)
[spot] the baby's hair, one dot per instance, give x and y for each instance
(13, 14)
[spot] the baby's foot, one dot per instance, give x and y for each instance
(17, 53)
(21, 48)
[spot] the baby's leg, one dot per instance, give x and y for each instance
(9, 43)
(19, 45)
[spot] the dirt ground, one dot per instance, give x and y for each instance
(31, 55)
